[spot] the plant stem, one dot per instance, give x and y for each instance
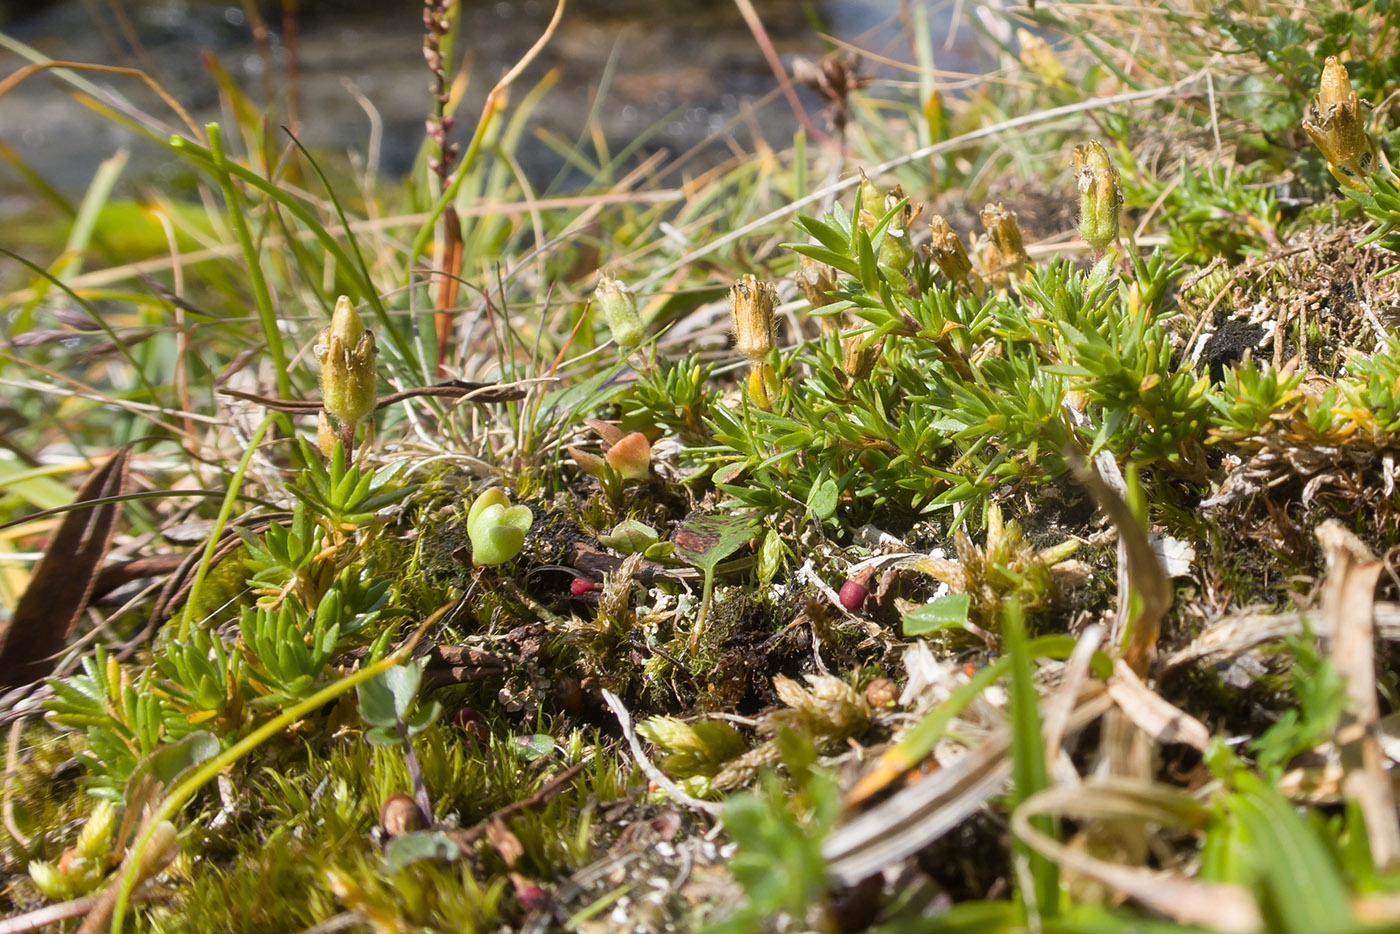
(225, 510)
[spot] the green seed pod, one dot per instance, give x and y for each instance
(619, 307)
(1099, 195)
(763, 386)
(346, 352)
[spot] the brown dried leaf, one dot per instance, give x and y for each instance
(63, 579)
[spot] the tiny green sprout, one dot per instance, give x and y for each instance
(346, 352)
(1099, 195)
(619, 307)
(496, 528)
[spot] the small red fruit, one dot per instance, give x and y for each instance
(852, 595)
(578, 586)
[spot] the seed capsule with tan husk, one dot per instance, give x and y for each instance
(1004, 235)
(817, 281)
(948, 253)
(1333, 123)
(752, 306)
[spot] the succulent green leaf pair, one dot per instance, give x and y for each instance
(496, 528)
(389, 704)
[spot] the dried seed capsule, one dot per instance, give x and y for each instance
(1005, 234)
(1099, 195)
(858, 358)
(816, 281)
(751, 307)
(947, 251)
(1333, 123)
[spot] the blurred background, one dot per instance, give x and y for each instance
(676, 74)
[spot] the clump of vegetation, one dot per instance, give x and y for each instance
(1021, 568)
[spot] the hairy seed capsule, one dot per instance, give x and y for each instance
(947, 250)
(346, 352)
(619, 307)
(1005, 235)
(1333, 122)
(1099, 195)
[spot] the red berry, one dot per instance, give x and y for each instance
(852, 595)
(578, 586)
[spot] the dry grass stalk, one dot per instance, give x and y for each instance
(1216, 906)
(1348, 596)
(1152, 713)
(921, 813)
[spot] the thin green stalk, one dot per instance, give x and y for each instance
(225, 510)
(267, 315)
(1028, 771)
(182, 792)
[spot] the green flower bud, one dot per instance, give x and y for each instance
(1037, 55)
(1099, 195)
(95, 839)
(51, 883)
(751, 307)
(346, 352)
(619, 308)
(496, 529)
